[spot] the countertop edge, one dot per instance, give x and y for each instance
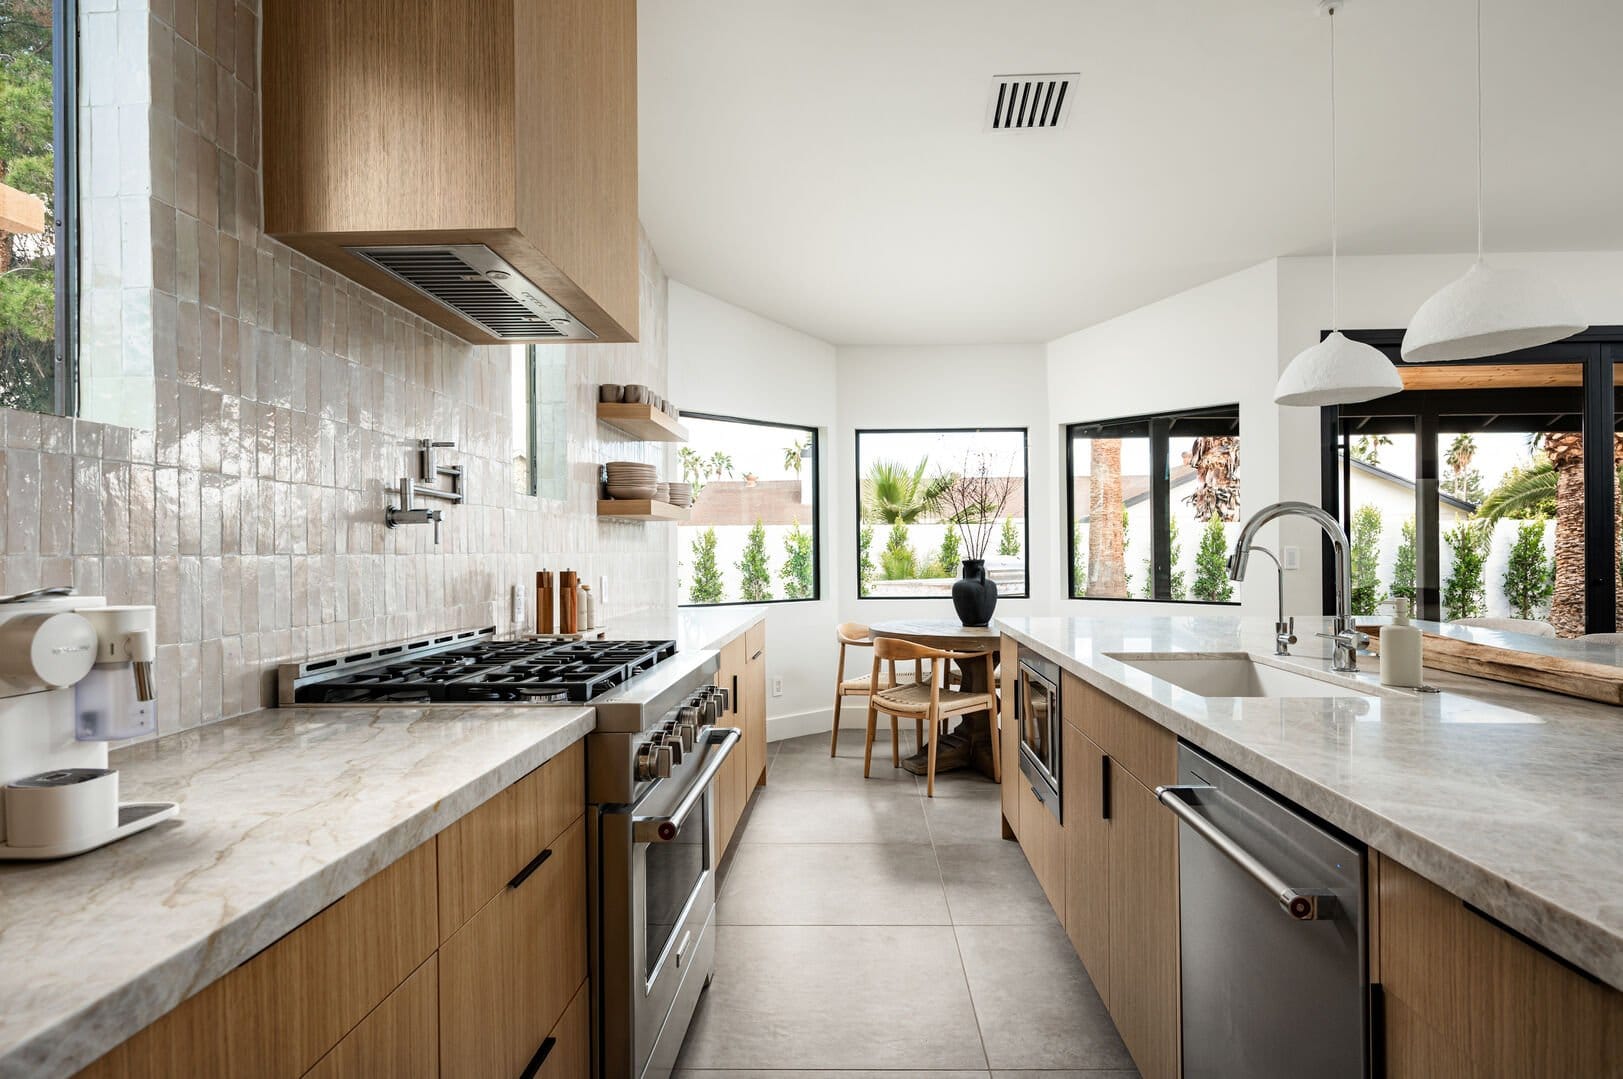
(76, 1040)
(1593, 948)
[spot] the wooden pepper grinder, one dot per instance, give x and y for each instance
(568, 602)
(543, 602)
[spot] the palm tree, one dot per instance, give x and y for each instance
(1368, 448)
(1107, 538)
(894, 495)
(1459, 456)
(1557, 475)
(794, 456)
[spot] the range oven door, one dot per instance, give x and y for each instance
(655, 942)
(1037, 712)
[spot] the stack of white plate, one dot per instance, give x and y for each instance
(632, 479)
(663, 492)
(681, 494)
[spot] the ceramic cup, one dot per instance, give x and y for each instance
(636, 395)
(611, 393)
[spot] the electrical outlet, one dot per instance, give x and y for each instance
(777, 687)
(1292, 557)
(518, 606)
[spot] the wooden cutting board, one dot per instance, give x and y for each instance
(1570, 677)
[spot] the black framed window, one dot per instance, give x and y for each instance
(1153, 503)
(752, 534)
(38, 234)
(1470, 491)
(930, 498)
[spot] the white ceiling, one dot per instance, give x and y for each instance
(823, 163)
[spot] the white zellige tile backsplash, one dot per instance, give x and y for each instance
(286, 400)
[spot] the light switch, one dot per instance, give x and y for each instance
(1293, 557)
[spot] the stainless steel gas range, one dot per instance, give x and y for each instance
(651, 765)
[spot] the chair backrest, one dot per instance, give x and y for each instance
(853, 633)
(897, 648)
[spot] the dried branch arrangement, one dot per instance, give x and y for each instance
(974, 499)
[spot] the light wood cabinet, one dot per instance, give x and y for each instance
(281, 1011)
(508, 974)
(399, 1039)
(484, 850)
(1008, 675)
(507, 123)
(1143, 890)
(1087, 855)
(755, 710)
(1463, 995)
(732, 791)
(1141, 746)
(1043, 840)
(360, 989)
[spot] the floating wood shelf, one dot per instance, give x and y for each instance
(640, 509)
(642, 421)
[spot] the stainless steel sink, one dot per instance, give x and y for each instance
(1235, 676)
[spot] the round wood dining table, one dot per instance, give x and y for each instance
(970, 743)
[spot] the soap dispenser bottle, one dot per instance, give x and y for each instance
(1401, 649)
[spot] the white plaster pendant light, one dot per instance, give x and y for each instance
(1489, 311)
(1337, 370)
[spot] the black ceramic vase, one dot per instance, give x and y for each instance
(974, 595)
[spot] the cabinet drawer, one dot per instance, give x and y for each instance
(509, 973)
(399, 1039)
(484, 850)
(1145, 748)
(279, 1013)
(1459, 987)
(1044, 843)
(570, 1053)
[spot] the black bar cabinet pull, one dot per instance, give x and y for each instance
(539, 1059)
(735, 694)
(1104, 786)
(535, 863)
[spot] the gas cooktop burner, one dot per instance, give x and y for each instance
(484, 671)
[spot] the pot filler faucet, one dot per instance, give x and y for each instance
(1346, 638)
(408, 512)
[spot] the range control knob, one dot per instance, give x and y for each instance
(654, 761)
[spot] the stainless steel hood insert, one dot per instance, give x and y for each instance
(481, 286)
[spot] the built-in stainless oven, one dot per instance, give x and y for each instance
(655, 906)
(1036, 705)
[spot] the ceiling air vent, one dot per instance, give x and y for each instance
(481, 286)
(1030, 102)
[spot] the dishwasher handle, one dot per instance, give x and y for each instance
(1305, 905)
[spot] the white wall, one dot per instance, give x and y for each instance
(726, 360)
(1212, 345)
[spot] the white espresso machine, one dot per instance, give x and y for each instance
(75, 674)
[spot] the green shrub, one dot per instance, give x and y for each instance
(1403, 564)
(1009, 542)
(1212, 582)
(865, 567)
(756, 585)
(1530, 573)
(706, 584)
(897, 561)
(947, 562)
(1465, 593)
(1366, 558)
(797, 567)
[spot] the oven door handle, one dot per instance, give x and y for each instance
(663, 829)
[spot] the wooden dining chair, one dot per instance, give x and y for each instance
(930, 704)
(857, 635)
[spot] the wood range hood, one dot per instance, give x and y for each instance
(472, 160)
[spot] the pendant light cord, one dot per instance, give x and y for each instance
(1479, 130)
(1335, 228)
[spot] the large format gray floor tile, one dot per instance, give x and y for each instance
(1036, 1006)
(716, 1073)
(969, 810)
(789, 816)
(820, 772)
(833, 884)
(991, 884)
(834, 998)
(1108, 1073)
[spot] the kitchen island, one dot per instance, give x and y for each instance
(1495, 839)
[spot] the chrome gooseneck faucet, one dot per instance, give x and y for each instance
(1346, 638)
(408, 513)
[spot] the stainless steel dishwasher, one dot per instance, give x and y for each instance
(1275, 980)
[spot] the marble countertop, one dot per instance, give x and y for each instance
(1505, 796)
(281, 813)
(689, 627)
